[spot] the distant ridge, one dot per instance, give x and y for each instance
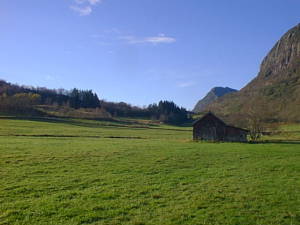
(211, 96)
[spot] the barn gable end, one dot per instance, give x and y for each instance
(211, 128)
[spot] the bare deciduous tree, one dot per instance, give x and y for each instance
(255, 125)
(257, 114)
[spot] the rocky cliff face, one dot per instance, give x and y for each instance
(212, 96)
(277, 84)
(283, 54)
(281, 62)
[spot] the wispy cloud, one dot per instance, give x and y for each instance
(186, 84)
(159, 39)
(84, 7)
(115, 35)
(82, 11)
(91, 2)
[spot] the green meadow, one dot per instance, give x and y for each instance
(67, 171)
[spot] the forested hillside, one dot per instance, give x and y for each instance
(26, 100)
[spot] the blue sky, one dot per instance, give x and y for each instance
(140, 51)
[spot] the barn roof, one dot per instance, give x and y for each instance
(207, 115)
(221, 121)
(237, 128)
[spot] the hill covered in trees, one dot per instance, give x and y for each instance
(27, 100)
(275, 92)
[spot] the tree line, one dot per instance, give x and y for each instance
(20, 99)
(74, 98)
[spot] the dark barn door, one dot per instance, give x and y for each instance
(209, 133)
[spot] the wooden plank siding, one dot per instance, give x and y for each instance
(211, 128)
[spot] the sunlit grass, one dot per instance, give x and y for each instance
(161, 178)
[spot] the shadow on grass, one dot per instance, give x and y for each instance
(70, 136)
(296, 142)
(71, 121)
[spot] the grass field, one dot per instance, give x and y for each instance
(107, 172)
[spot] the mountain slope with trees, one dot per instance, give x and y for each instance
(275, 92)
(212, 96)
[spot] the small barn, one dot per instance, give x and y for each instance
(211, 128)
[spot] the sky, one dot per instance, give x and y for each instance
(140, 51)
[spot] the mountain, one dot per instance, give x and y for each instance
(276, 88)
(211, 96)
